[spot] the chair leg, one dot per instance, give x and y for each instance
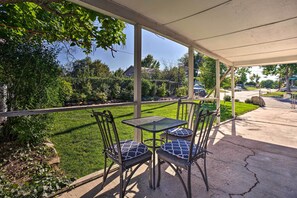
(189, 182)
(121, 183)
(159, 172)
(150, 174)
(104, 173)
(205, 173)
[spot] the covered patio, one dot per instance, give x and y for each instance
(233, 32)
(253, 156)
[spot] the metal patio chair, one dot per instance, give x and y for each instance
(181, 153)
(185, 111)
(126, 154)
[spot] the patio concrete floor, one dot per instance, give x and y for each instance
(253, 156)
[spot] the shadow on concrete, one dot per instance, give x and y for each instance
(237, 167)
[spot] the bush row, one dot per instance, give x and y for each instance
(100, 90)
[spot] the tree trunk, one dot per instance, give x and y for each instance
(3, 106)
(287, 80)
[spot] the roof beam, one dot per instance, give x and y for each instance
(267, 61)
(116, 10)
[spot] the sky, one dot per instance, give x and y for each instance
(167, 52)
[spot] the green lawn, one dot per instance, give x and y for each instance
(78, 142)
(276, 94)
(251, 88)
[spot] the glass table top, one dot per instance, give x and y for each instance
(154, 123)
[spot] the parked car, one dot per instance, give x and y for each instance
(292, 88)
(199, 91)
(238, 88)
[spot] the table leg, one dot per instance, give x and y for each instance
(154, 160)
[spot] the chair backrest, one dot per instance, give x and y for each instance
(109, 134)
(186, 111)
(203, 125)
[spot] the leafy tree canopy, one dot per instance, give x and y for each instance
(59, 20)
(241, 75)
(255, 77)
(208, 72)
(284, 71)
(184, 60)
(86, 68)
(150, 62)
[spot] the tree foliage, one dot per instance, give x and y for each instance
(270, 84)
(175, 74)
(59, 20)
(241, 75)
(255, 78)
(150, 62)
(31, 74)
(86, 68)
(198, 59)
(208, 72)
(284, 71)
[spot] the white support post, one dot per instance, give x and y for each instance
(218, 86)
(137, 77)
(232, 91)
(191, 74)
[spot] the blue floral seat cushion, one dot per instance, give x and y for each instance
(131, 149)
(179, 148)
(180, 132)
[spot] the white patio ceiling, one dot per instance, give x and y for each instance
(238, 32)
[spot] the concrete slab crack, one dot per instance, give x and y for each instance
(246, 166)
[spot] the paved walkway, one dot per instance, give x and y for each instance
(253, 156)
(277, 103)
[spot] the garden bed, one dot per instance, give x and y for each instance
(29, 171)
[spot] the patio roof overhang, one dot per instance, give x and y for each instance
(238, 33)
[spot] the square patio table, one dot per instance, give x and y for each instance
(154, 124)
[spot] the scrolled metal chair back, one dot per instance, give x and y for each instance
(109, 134)
(203, 125)
(186, 111)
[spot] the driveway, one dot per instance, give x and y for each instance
(243, 95)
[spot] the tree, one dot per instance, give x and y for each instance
(270, 84)
(150, 62)
(59, 20)
(86, 68)
(176, 74)
(99, 69)
(208, 72)
(284, 71)
(241, 75)
(31, 73)
(119, 73)
(255, 78)
(198, 59)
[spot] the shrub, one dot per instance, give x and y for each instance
(181, 91)
(31, 73)
(227, 98)
(65, 91)
(161, 92)
(29, 129)
(248, 101)
(146, 86)
(101, 96)
(126, 95)
(153, 90)
(237, 100)
(115, 91)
